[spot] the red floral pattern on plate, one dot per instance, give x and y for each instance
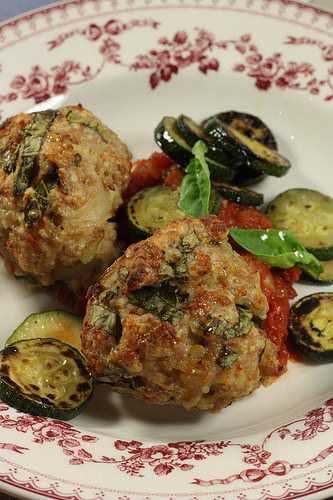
(163, 459)
(43, 81)
(173, 55)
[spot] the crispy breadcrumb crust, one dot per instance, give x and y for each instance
(164, 322)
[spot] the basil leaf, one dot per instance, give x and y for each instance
(278, 248)
(195, 187)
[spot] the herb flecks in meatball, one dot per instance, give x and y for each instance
(175, 320)
(62, 174)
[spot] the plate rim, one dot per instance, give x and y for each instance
(28, 16)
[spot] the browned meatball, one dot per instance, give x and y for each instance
(62, 173)
(173, 321)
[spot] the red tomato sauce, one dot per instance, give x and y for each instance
(276, 283)
(150, 172)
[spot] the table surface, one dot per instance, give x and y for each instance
(10, 8)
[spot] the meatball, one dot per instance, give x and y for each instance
(62, 173)
(175, 320)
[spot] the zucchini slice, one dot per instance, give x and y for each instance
(256, 155)
(173, 144)
(151, 209)
(191, 131)
(247, 177)
(239, 195)
(250, 125)
(326, 277)
(311, 326)
(308, 214)
(54, 324)
(44, 377)
(222, 139)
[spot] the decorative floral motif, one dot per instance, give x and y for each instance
(170, 57)
(267, 71)
(164, 459)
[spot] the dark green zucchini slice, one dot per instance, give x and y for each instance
(60, 325)
(311, 326)
(308, 214)
(192, 132)
(255, 154)
(151, 209)
(222, 139)
(244, 176)
(250, 125)
(326, 277)
(173, 144)
(239, 195)
(44, 377)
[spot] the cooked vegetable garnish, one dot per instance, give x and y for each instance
(30, 147)
(309, 215)
(278, 248)
(327, 275)
(8, 160)
(195, 187)
(151, 209)
(191, 131)
(311, 326)
(250, 125)
(239, 195)
(170, 141)
(176, 146)
(44, 377)
(59, 325)
(246, 176)
(245, 150)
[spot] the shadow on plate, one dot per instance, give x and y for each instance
(155, 414)
(106, 406)
(102, 406)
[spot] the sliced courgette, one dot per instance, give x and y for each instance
(44, 377)
(151, 209)
(250, 125)
(239, 195)
(308, 214)
(173, 144)
(326, 277)
(248, 177)
(311, 326)
(245, 176)
(192, 132)
(54, 324)
(222, 139)
(256, 155)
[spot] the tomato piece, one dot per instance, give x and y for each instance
(146, 173)
(173, 177)
(242, 216)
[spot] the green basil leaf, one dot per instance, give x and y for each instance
(278, 248)
(195, 187)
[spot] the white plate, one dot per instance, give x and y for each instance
(132, 62)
